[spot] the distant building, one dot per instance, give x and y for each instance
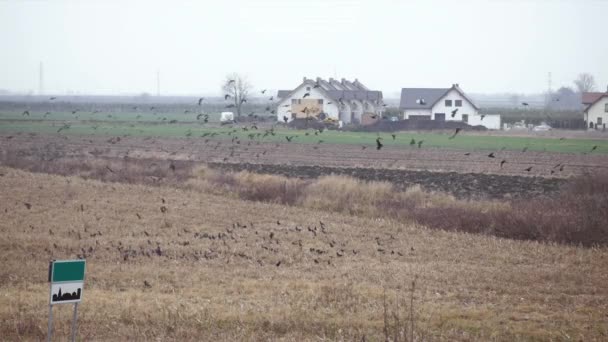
(596, 110)
(343, 100)
(443, 104)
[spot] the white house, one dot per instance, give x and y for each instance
(443, 104)
(596, 110)
(341, 101)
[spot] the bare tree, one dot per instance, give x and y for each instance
(584, 83)
(236, 90)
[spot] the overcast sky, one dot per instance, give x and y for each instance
(115, 47)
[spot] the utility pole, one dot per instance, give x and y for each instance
(40, 79)
(157, 82)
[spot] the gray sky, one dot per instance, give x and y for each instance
(112, 47)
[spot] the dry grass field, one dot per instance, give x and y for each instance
(210, 266)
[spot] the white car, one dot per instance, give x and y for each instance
(542, 128)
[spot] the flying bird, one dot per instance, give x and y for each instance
(285, 118)
(420, 143)
(525, 149)
(467, 154)
(454, 112)
(593, 148)
(53, 98)
(482, 116)
(200, 101)
(263, 91)
(378, 143)
(26, 113)
(394, 136)
(289, 138)
(491, 155)
(502, 163)
(412, 142)
(230, 81)
(458, 129)
(524, 103)
(306, 95)
(226, 97)
(528, 169)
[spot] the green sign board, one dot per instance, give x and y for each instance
(67, 270)
(67, 281)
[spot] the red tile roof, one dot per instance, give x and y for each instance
(589, 98)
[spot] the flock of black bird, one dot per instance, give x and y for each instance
(271, 132)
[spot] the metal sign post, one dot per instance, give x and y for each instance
(67, 283)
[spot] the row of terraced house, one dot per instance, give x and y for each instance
(353, 103)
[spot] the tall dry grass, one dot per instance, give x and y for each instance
(578, 215)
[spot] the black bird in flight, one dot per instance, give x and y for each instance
(53, 98)
(394, 136)
(378, 143)
(593, 148)
(467, 154)
(491, 155)
(198, 117)
(420, 143)
(289, 138)
(525, 149)
(285, 118)
(200, 101)
(524, 103)
(306, 95)
(455, 132)
(454, 112)
(66, 126)
(502, 163)
(482, 116)
(529, 169)
(26, 113)
(230, 81)
(226, 97)
(263, 91)
(412, 142)
(27, 205)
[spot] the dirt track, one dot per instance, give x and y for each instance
(436, 169)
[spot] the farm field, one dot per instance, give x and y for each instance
(218, 268)
(186, 125)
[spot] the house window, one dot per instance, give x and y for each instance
(465, 117)
(321, 101)
(448, 103)
(458, 103)
(294, 101)
(599, 121)
(439, 116)
(307, 88)
(606, 108)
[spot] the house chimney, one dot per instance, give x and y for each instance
(318, 79)
(331, 79)
(304, 79)
(343, 80)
